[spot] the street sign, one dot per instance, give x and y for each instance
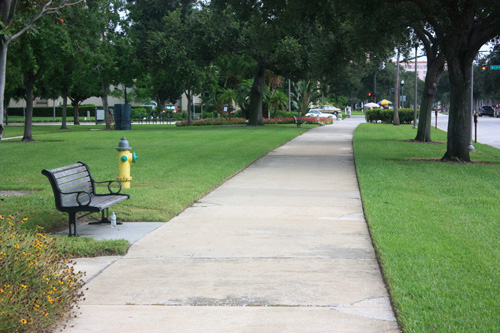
(494, 67)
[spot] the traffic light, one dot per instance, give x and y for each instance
(484, 68)
(370, 94)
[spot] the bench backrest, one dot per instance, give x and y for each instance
(70, 178)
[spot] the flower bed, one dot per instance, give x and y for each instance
(290, 120)
(212, 122)
(242, 121)
(37, 285)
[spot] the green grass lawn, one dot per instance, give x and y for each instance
(176, 166)
(436, 228)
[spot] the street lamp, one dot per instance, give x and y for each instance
(402, 93)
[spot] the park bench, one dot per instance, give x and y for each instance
(297, 121)
(75, 191)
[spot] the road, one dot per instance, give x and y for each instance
(488, 129)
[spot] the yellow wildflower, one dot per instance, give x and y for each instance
(24, 321)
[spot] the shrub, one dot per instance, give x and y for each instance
(48, 111)
(284, 114)
(136, 110)
(386, 116)
(37, 285)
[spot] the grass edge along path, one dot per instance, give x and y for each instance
(176, 166)
(435, 227)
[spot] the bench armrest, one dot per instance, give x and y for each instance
(109, 185)
(78, 199)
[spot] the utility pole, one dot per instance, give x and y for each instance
(416, 89)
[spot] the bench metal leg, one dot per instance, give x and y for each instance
(104, 218)
(72, 224)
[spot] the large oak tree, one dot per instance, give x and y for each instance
(459, 29)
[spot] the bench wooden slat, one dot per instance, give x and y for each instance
(106, 200)
(65, 179)
(68, 187)
(69, 170)
(83, 187)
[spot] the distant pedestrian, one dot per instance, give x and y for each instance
(348, 111)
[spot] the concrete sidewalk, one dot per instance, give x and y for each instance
(281, 247)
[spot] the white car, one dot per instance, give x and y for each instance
(327, 109)
(317, 113)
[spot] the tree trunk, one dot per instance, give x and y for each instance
(3, 69)
(256, 97)
(435, 68)
(106, 106)
(76, 106)
(189, 107)
(65, 108)
(460, 119)
(28, 121)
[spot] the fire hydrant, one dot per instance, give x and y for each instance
(125, 158)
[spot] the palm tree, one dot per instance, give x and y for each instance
(303, 93)
(227, 96)
(278, 101)
(243, 95)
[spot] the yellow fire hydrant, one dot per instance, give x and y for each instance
(125, 158)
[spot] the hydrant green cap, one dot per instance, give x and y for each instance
(123, 145)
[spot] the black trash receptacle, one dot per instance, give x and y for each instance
(123, 116)
(117, 114)
(126, 117)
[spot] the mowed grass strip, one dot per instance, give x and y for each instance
(176, 166)
(435, 226)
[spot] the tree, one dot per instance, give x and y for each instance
(13, 14)
(459, 29)
(303, 93)
(34, 53)
(278, 100)
(278, 36)
(159, 78)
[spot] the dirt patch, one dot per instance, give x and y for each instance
(14, 193)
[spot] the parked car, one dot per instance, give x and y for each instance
(153, 105)
(317, 113)
(327, 109)
(486, 110)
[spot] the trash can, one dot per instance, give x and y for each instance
(123, 117)
(117, 114)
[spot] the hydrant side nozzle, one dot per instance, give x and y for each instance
(124, 158)
(134, 157)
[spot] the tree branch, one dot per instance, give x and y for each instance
(44, 11)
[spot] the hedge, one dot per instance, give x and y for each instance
(48, 111)
(386, 116)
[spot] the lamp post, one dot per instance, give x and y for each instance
(416, 89)
(402, 93)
